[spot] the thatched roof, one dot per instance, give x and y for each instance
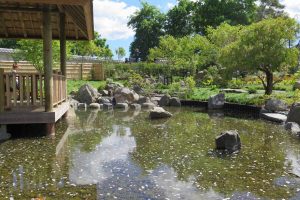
(23, 18)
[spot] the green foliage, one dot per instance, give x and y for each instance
(147, 24)
(214, 12)
(189, 53)
(213, 76)
(9, 43)
(179, 19)
(269, 9)
(120, 52)
(263, 47)
(32, 51)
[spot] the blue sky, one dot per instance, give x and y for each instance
(111, 17)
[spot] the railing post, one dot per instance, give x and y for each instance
(2, 92)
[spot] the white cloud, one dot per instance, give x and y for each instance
(292, 7)
(111, 17)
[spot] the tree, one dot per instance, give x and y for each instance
(189, 52)
(179, 20)
(32, 51)
(120, 53)
(214, 12)
(263, 47)
(148, 26)
(8, 43)
(269, 8)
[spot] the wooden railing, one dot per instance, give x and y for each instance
(27, 89)
(59, 89)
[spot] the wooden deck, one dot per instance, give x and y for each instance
(33, 115)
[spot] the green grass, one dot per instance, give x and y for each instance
(74, 85)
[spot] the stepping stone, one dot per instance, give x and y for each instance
(274, 117)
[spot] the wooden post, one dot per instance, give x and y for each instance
(2, 92)
(47, 47)
(63, 54)
(50, 129)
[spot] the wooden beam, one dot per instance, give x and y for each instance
(2, 92)
(88, 12)
(24, 9)
(50, 2)
(63, 51)
(47, 48)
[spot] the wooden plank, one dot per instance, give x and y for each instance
(14, 89)
(27, 89)
(41, 89)
(2, 92)
(34, 87)
(21, 90)
(7, 83)
(59, 2)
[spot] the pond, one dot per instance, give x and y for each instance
(124, 155)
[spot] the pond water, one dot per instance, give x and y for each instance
(124, 155)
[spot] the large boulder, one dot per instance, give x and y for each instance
(175, 101)
(125, 95)
(159, 112)
(123, 106)
(294, 114)
(143, 99)
(297, 85)
(87, 94)
(138, 89)
(217, 101)
(103, 100)
(165, 100)
(228, 140)
(275, 105)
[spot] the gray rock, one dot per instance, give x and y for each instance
(74, 103)
(135, 106)
(275, 105)
(87, 94)
(274, 117)
(293, 127)
(103, 100)
(297, 85)
(143, 99)
(82, 106)
(228, 140)
(122, 106)
(94, 106)
(107, 106)
(138, 89)
(113, 86)
(165, 100)
(104, 92)
(175, 101)
(228, 90)
(125, 95)
(217, 101)
(148, 106)
(158, 113)
(294, 114)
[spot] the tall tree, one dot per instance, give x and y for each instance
(179, 20)
(214, 12)
(148, 26)
(263, 47)
(269, 8)
(120, 53)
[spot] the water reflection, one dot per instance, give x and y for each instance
(107, 155)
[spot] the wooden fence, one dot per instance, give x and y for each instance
(75, 71)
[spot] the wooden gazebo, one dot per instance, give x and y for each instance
(46, 20)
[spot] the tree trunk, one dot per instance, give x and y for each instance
(269, 85)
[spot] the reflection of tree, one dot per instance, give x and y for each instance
(184, 141)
